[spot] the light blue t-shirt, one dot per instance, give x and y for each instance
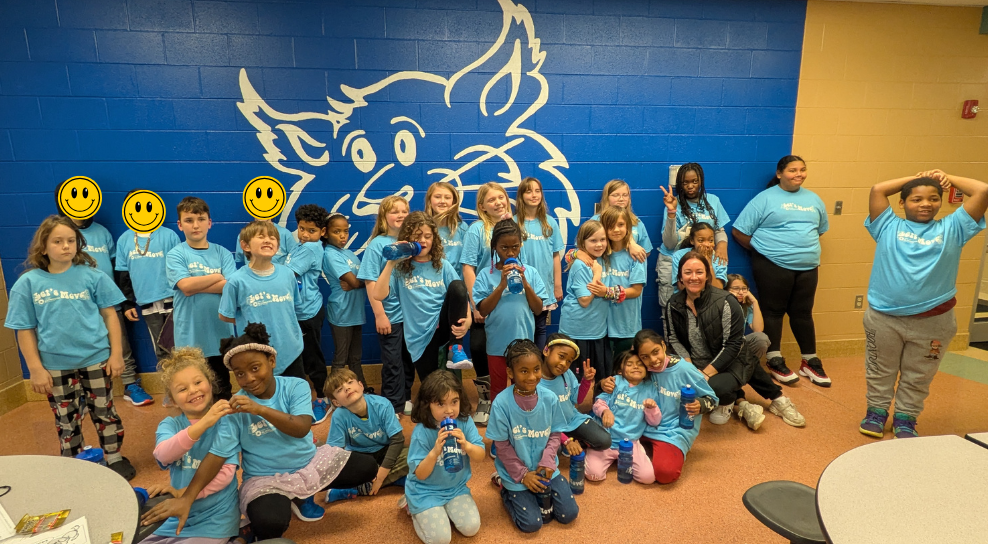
(366, 435)
(512, 318)
(718, 219)
(638, 233)
(575, 321)
(476, 247)
(720, 269)
(266, 451)
(528, 432)
(624, 320)
(453, 245)
(626, 402)
(214, 516)
(147, 269)
(100, 246)
(346, 308)
(271, 300)
(305, 260)
(195, 317)
(371, 265)
(567, 388)
(422, 294)
(668, 384)
(441, 486)
(538, 250)
(286, 244)
(64, 310)
(915, 267)
(785, 227)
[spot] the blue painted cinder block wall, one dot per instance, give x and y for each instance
(348, 102)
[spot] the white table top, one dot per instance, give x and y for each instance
(980, 439)
(915, 490)
(88, 489)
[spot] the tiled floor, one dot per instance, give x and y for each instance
(703, 506)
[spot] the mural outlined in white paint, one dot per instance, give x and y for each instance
(278, 131)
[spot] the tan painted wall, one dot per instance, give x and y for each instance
(880, 94)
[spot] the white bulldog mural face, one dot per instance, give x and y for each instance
(371, 142)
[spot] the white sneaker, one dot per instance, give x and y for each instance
(408, 407)
(483, 412)
(784, 408)
(722, 414)
(752, 414)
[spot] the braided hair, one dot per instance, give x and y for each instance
(701, 195)
(520, 348)
(504, 227)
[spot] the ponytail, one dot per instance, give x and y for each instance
(783, 163)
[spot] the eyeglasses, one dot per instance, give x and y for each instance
(738, 290)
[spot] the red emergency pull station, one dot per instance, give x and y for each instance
(970, 109)
(955, 196)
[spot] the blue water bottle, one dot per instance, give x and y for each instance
(625, 458)
(92, 454)
(452, 456)
(142, 497)
(399, 250)
(686, 395)
(515, 285)
(577, 472)
(545, 501)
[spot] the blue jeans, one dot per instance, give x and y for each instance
(523, 506)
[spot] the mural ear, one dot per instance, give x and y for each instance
(512, 69)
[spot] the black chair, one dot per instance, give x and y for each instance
(788, 508)
(142, 531)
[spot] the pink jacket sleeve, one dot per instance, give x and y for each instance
(585, 387)
(549, 453)
(172, 449)
(223, 478)
(600, 406)
(653, 416)
(509, 457)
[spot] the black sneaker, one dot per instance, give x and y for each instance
(124, 468)
(777, 367)
(813, 369)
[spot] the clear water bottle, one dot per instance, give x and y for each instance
(400, 250)
(92, 454)
(545, 501)
(625, 459)
(452, 456)
(577, 472)
(515, 285)
(686, 395)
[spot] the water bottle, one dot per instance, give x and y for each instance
(142, 497)
(515, 285)
(452, 456)
(545, 501)
(92, 454)
(686, 395)
(625, 458)
(577, 471)
(399, 250)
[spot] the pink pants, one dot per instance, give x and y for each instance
(599, 461)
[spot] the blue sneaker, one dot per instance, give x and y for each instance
(457, 359)
(334, 495)
(319, 411)
(137, 395)
(308, 510)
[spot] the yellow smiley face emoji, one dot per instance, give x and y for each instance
(264, 197)
(79, 197)
(143, 211)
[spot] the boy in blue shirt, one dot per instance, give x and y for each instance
(286, 243)
(910, 320)
(366, 424)
(99, 245)
(197, 270)
(305, 260)
(265, 292)
(141, 263)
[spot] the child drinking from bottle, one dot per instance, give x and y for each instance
(575, 397)
(435, 497)
(183, 441)
(625, 412)
(525, 426)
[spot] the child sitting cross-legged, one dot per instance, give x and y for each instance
(365, 424)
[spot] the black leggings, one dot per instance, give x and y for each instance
(270, 515)
(455, 308)
(591, 434)
(728, 388)
(782, 291)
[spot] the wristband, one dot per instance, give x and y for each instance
(570, 256)
(621, 295)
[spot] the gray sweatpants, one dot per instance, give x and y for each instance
(663, 276)
(907, 348)
(129, 375)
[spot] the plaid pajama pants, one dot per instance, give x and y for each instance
(74, 391)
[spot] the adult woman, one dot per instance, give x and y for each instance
(705, 325)
(782, 226)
